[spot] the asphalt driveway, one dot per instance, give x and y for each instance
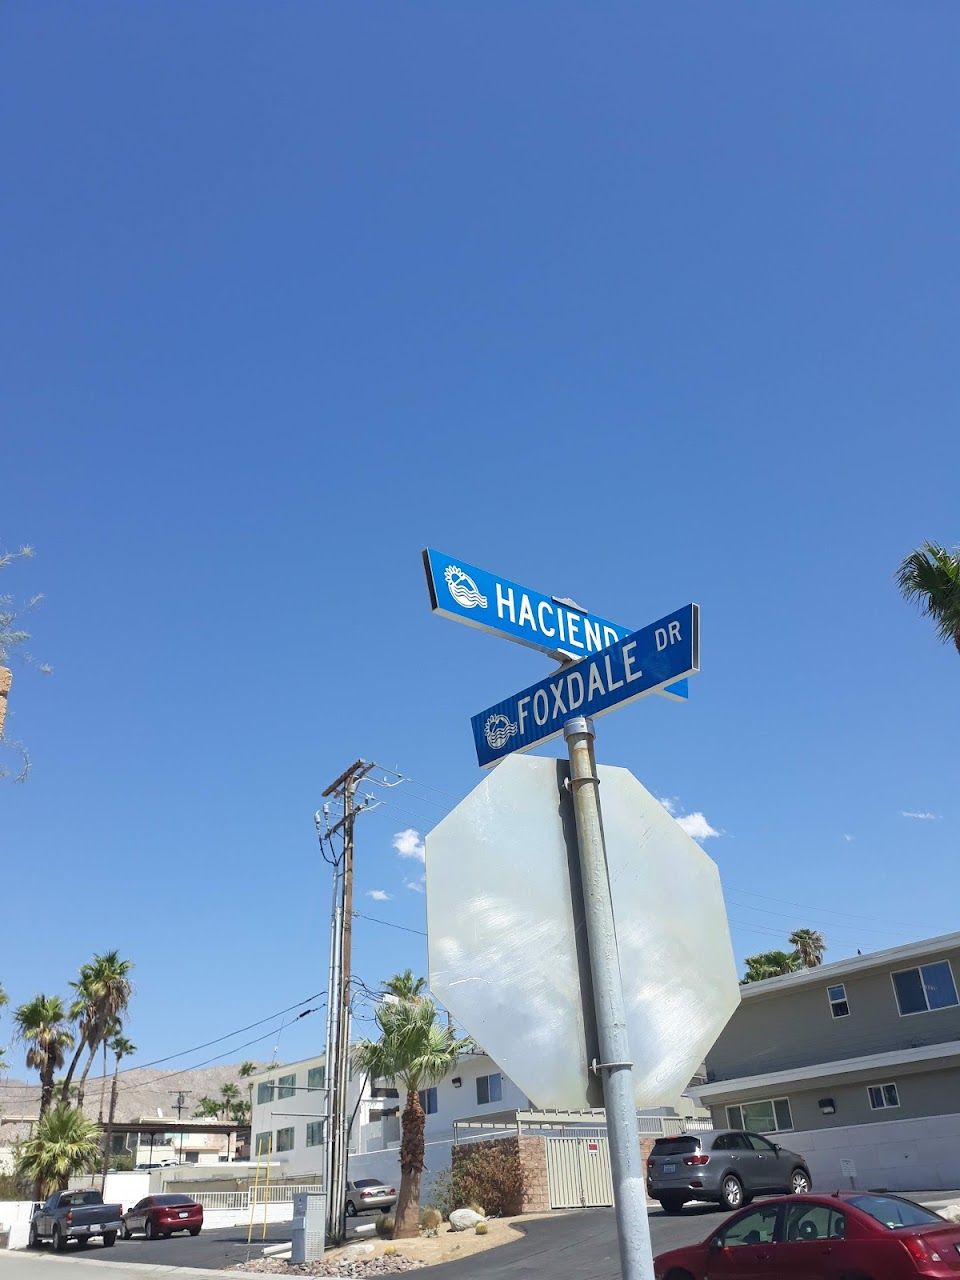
(565, 1246)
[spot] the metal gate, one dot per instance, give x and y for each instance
(578, 1172)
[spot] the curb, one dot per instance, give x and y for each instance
(139, 1268)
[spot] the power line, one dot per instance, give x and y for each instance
(390, 925)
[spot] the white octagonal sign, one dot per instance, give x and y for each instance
(506, 936)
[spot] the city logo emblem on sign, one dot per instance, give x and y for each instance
(463, 588)
(498, 731)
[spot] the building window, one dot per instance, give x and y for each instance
(264, 1144)
(316, 1077)
(928, 987)
(428, 1100)
(489, 1088)
(285, 1139)
(839, 1005)
(264, 1092)
(772, 1115)
(286, 1087)
(315, 1133)
(883, 1096)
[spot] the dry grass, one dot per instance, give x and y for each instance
(448, 1244)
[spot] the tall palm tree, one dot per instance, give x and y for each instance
(810, 946)
(83, 1013)
(229, 1094)
(106, 988)
(931, 577)
(3, 1001)
(122, 1048)
(207, 1109)
(247, 1069)
(770, 964)
(414, 1048)
(64, 1143)
(41, 1024)
(405, 986)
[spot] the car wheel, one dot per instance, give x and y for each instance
(109, 1239)
(59, 1239)
(125, 1232)
(33, 1240)
(800, 1182)
(82, 1242)
(672, 1205)
(351, 1209)
(194, 1231)
(150, 1230)
(731, 1192)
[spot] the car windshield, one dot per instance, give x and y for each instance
(893, 1212)
(368, 1182)
(172, 1200)
(675, 1146)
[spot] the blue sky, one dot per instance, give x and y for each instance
(635, 304)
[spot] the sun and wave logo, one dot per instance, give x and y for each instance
(463, 588)
(498, 731)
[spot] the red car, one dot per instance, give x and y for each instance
(852, 1235)
(162, 1215)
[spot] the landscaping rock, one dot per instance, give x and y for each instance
(464, 1220)
(358, 1268)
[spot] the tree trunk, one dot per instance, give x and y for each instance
(68, 1078)
(113, 1109)
(413, 1122)
(103, 1082)
(83, 1077)
(46, 1088)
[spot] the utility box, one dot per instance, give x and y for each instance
(309, 1226)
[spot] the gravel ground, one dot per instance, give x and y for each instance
(382, 1266)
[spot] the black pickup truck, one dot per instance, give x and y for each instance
(75, 1215)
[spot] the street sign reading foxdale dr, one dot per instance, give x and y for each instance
(630, 668)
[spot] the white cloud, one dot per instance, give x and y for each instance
(408, 844)
(696, 826)
(416, 885)
(922, 816)
(378, 895)
(849, 839)
(669, 804)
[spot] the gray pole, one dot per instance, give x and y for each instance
(616, 1067)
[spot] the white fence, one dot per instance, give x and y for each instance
(277, 1193)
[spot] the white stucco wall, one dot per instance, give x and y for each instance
(899, 1155)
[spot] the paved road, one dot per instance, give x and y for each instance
(565, 1246)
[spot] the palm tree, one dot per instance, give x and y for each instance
(229, 1094)
(931, 577)
(415, 1049)
(405, 986)
(122, 1048)
(770, 964)
(810, 946)
(65, 1143)
(247, 1069)
(207, 1109)
(41, 1023)
(240, 1112)
(3, 1001)
(105, 991)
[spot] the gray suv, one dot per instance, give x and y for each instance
(727, 1166)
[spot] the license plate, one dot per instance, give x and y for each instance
(185, 1214)
(669, 1168)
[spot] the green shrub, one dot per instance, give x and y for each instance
(481, 1229)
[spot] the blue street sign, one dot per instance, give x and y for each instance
(480, 599)
(639, 664)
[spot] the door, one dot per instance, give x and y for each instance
(764, 1164)
(745, 1248)
(578, 1172)
(814, 1243)
(742, 1160)
(137, 1220)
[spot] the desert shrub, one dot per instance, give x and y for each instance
(430, 1218)
(390, 1251)
(477, 1208)
(488, 1175)
(385, 1224)
(481, 1229)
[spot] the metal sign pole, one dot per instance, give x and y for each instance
(616, 1068)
